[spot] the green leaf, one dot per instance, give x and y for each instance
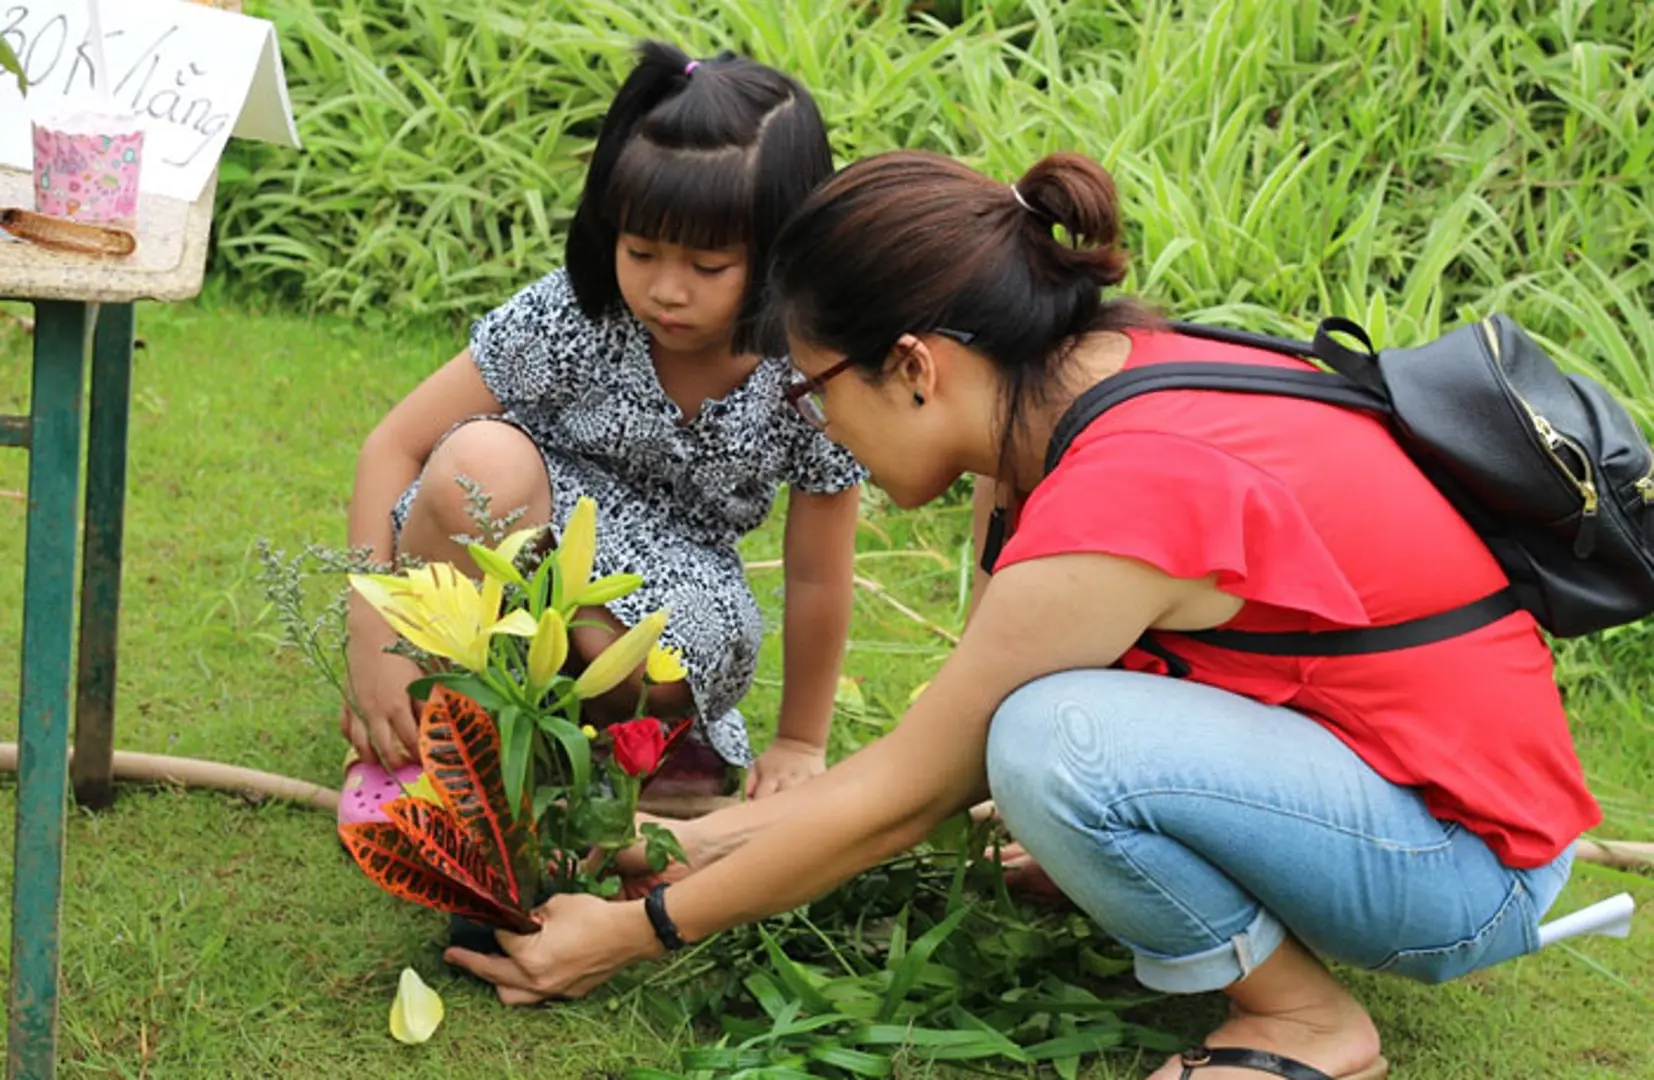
(794, 977)
(908, 970)
(964, 1018)
(724, 1059)
(661, 847)
(926, 1038)
(463, 682)
(538, 586)
(546, 796)
(1090, 1040)
(858, 1062)
(898, 937)
(577, 751)
(516, 746)
(603, 822)
(766, 993)
(10, 62)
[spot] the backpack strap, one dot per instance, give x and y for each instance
(1332, 389)
(1364, 640)
(1226, 335)
(1234, 378)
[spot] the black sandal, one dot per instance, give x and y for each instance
(1235, 1057)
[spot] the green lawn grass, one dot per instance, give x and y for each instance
(206, 936)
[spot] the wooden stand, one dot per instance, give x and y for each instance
(83, 306)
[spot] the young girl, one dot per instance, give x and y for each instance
(639, 376)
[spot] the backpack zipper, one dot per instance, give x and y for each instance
(1645, 486)
(1553, 441)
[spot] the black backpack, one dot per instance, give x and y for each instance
(1549, 469)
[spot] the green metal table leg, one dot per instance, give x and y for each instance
(91, 770)
(61, 330)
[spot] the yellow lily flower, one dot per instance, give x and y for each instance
(548, 651)
(665, 665)
(417, 1011)
(621, 658)
(578, 549)
(443, 612)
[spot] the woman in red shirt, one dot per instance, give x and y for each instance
(1412, 811)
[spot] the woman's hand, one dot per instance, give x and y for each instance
(582, 943)
(636, 878)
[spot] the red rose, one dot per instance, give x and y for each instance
(638, 745)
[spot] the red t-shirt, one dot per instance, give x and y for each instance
(1315, 517)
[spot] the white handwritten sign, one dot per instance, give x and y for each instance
(192, 75)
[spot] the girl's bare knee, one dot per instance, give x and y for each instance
(499, 459)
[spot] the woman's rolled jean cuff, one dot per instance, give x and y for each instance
(1215, 968)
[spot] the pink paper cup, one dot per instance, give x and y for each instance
(89, 176)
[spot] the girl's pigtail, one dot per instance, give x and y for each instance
(661, 71)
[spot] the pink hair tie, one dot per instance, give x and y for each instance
(689, 68)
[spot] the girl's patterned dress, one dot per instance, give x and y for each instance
(673, 498)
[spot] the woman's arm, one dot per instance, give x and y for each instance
(1035, 618)
(819, 556)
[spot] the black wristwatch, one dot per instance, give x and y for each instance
(654, 905)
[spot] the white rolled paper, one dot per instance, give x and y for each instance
(1610, 917)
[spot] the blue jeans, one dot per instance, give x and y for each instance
(1199, 828)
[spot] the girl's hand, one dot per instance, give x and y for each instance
(583, 942)
(785, 763)
(388, 733)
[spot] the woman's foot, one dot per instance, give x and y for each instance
(1292, 1006)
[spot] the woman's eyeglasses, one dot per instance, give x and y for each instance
(804, 393)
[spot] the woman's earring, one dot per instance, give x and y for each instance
(918, 398)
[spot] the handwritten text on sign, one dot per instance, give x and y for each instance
(184, 71)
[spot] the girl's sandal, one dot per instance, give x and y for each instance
(1235, 1057)
(367, 787)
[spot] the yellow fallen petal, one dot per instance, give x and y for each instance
(417, 1011)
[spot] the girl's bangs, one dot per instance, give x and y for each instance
(693, 198)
